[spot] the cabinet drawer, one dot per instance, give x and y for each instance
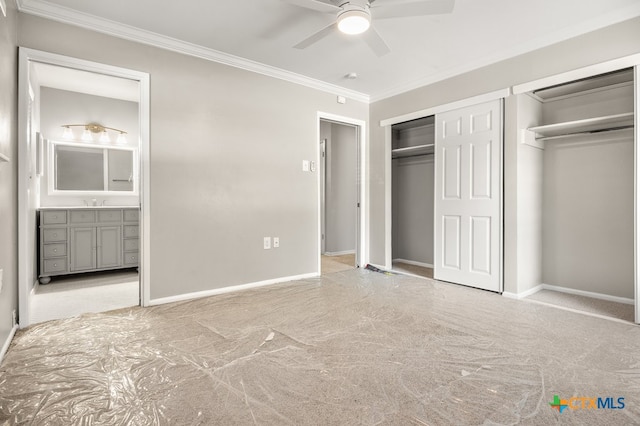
(131, 231)
(54, 217)
(53, 235)
(131, 215)
(54, 250)
(131, 258)
(131, 245)
(55, 265)
(84, 216)
(109, 216)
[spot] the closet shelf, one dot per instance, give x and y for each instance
(412, 151)
(586, 126)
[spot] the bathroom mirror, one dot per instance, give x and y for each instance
(91, 169)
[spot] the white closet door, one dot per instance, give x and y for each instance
(468, 205)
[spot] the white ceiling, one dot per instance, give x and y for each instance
(424, 49)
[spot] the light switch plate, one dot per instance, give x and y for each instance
(267, 243)
(305, 165)
(276, 242)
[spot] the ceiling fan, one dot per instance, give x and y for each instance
(354, 17)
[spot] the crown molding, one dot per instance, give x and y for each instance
(549, 39)
(65, 15)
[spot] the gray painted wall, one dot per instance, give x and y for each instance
(341, 189)
(59, 107)
(226, 153)
(8, 171)
(599, 46)
(412, 198)
(412, 213)
(588, 200)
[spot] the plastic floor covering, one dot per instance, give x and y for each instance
(349, 348)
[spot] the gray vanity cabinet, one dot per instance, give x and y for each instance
(82, 247)
(85, 240)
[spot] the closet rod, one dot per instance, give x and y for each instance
(586, 133)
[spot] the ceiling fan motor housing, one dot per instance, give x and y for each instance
(355, 17)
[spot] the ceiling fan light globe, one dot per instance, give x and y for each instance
(354, 22)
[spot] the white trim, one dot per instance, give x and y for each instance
(579, 73)
(27, 55)
(590, 294)
(339, 253)
(414, 263)
(231, 289)
(388, 201)
(577, 311)
(115, 29)
(463, 103)
(636, 194)
(362, 258)
(522, 295)
(4, 158)
(7, 343)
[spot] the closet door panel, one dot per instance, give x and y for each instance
(468, 205)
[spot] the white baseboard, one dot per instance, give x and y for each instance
(231, 289)
(524, 294)
(413, 262)
(593, 295)
(338, 253)
(7, 343)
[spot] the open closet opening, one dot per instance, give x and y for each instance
(412, 196)
(583, 132)
(339, 190)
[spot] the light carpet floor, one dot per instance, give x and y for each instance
(348, 348)
(75, 295)
(590, 305)
(407, 268)
(332, 264)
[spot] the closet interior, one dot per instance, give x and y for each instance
(412, 176)
(583, 131)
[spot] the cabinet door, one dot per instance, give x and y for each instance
(109, 242)
(83, 246)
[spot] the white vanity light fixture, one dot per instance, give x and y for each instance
(104, 137)
(94, 128)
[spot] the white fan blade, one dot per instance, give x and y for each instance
(315, 5)
(316, 37)
(400, 9)
(375, 42)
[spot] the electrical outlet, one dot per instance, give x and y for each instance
(276, 242)
(267, 243)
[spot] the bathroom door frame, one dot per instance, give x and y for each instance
(26, 259)
(362, 220)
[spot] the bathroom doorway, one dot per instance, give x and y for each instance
(82, 187)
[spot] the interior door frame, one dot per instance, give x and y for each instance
(362, 220)
(27, 260)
